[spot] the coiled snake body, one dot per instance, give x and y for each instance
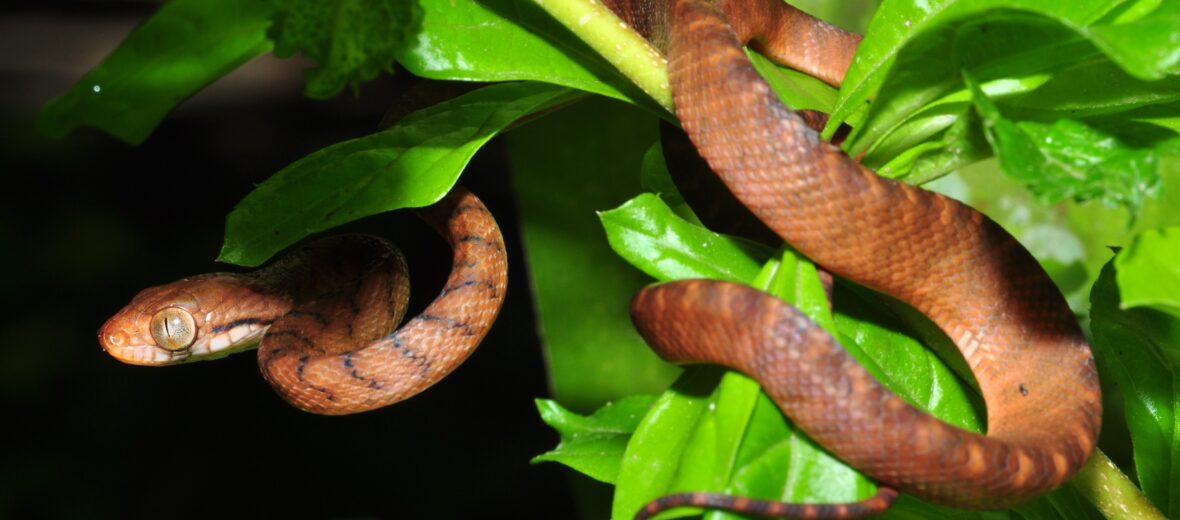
(957, 267)
(325, 313)
(960, 269)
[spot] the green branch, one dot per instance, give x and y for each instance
(1111, 491)
(614, 40)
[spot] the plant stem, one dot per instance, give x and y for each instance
(1111, 491)
(624, 48)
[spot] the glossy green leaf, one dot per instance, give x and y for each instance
(942, 136)
(765, 450)
(566, 167)
(1137, 349)
(1064, 67)
(1069, 93)
(350, 40)
(1068, 159)
(649, 235)
(652, 458)
(709, 458)
(593, 444)
(1164, 115)
(796, 89)
(184, 46)
(1148, 271)
(921, 34)
(655, 178)
(1110, 169)
(505, 40)
(959, 144)
(794, 279)
(412, 164)
(1145, 44)
(998, 44)
(883, 344)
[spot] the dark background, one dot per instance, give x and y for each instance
(87, 221)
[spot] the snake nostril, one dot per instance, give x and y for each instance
(116, 339)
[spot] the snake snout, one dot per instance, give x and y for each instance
(110, 340)
(125, 343)
(115, 340)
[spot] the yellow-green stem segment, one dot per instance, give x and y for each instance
(624, 48)
(1115, 496)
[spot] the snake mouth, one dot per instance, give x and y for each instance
(148, 355)
(120, 345)
(238, 338)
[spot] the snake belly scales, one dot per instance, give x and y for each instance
(951, 263)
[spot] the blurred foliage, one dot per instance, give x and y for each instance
(377, 31)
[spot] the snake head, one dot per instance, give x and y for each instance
(199, 318)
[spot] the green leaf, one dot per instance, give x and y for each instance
(712, 450)
(1069, 159)
(795, 280)
(593, 444)
(504, 40)
(351, 40)
(1041, 58)
(1104, 167)
(900, 362)
(652, 457)
(1136, 348)
(1070, 93)
(769, 444)
(183, 47)
(916, 39)
(999, 44)
(1146, 45)
(944, 135)
(1148, 271)
(796, 89)
(649, 235)
(567, 167)
(655, 178)
(960, 144)
(412, 164)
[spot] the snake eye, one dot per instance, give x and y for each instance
(173, 328)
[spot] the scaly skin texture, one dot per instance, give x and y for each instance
(953, 264)
(323, 315)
